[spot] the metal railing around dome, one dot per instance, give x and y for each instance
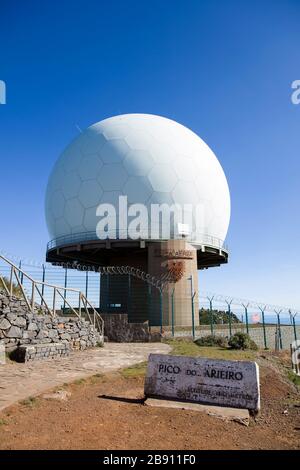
(202, 239)
(13, 284)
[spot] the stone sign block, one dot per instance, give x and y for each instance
(202, 380)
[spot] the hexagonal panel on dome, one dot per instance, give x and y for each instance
(114, 151)
(89, 167)
(111, 197)
(138, 162)
(163, 153)
(71, 185)
(57, 178)
(184, 193)
(90, 219)
(162, 178)
(138, 189)
(74, 212)
(184, 168)
(57, 204)
(91, 142)
(71, 157)
(138, 139)
(116, 131)
(112, 177)
(161, 198)
(90, 193)
(78, 229)
(62, 227)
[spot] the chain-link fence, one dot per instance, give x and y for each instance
(269, 326)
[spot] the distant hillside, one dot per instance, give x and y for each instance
(219, 317)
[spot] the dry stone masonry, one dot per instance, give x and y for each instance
(38, 335)
(41, 351)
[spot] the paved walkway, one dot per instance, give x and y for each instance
(19, 381)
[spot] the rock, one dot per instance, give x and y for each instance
(32, 326)
(29, 334)
(4, 324)
(62, 395)
(19, 321)
(14, 332)
(40, 335)
(52, 334)
(65, 336)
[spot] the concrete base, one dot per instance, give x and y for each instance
(226, 414)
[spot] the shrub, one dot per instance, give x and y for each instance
(212, 340)
(241, 341)
(16, 290)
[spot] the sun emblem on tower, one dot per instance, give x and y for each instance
(175, 270)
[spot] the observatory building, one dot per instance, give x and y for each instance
(142, 192)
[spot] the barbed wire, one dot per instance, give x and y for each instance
(248, 303)
(159, 283)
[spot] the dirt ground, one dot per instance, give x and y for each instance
(107, 412)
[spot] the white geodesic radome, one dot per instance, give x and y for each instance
(150, 159)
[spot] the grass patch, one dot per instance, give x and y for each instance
(79, 381)
(95, 379)
(30, 402)
(3, 422)
(294, 378)
(185, 347)
(138, 370)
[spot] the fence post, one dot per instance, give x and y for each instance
(173, 312)
(65, 292)
(246, 316)
(211, 314)
(21, 274)
(86, 283)
(229, 316)
(161, 310)
(193, 315)
(294, 326)
(192, 304)
(20, 267)
(99, 291)
(79, 304)
(54, 301)
(279, 327)
(262, 309)
(43, 280)
(33, 295)
(129, 297)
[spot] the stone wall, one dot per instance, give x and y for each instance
(19, 327)
(41, 351)
(118, 329)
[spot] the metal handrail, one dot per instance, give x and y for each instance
(83, 302)
(123, 235)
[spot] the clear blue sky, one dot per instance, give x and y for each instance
(222, 68)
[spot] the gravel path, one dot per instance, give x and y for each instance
(19, 381)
